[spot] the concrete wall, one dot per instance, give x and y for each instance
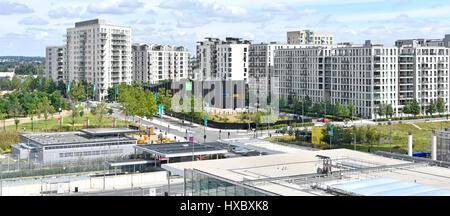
(89, 184)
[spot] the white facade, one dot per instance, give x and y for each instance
(154, 63)
(55, 62)
(223, 60)
(99, 53)
(365, 75)
(423, 75)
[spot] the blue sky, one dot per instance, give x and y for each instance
(28, 26)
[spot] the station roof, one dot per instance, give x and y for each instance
(108, 131)
(129, 162)
(68, 138)
(182, 149)
(389, 187)
(295, 174)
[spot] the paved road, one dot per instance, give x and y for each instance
(178, 128)
(175, 189)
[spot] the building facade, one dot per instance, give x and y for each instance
(309, 37)
(223, 60)
(365, 75)
(55, 62)
(154, 63)
(423, 73)
(99, 53)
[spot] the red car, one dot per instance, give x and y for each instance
(324, 120)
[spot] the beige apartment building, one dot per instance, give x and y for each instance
(310, 38)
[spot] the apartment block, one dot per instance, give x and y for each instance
(55, 62)
(154, 63)
(99, 53)
(309, 37)
(365, 75)
(423, 73)
(223, 60)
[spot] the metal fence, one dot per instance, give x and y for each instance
(27, 168)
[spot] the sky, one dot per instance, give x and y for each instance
(28, 26)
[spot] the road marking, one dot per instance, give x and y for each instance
(416, 126)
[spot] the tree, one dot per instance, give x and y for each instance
(389, 110)
(77, 91)
(282, 102)
(101, 111)
(440, 105)
(15, 109)
(415, 108)
(164, 98)
(381, 110)
(337, 111)
(371, 136)
(74, 115)
(407, 108)
(306, 103)
(45, 108)
(431, 108)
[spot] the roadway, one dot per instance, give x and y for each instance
(179, 127)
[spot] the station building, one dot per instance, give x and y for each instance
(314, 173)
(85, 144)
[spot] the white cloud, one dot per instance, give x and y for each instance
(115, 6)
(41, 35)
(7, 8)
(33, 20)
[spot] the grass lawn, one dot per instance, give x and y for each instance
(421, 137)
(235, 118)
(52, 123)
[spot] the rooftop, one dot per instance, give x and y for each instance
(108, 131)
(76, 137)
(296, 174)
(182, 149)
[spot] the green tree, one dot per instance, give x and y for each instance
(440, 105)
(415, 108)
(15, 110)
(337, 111)
(282, 102)
(77, 92)
(431, 108)
(381, 110)
(101, 111)
(389, 110)
(74, 114)
(371, 136)
(45, 108)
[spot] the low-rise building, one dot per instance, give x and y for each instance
(86, 144)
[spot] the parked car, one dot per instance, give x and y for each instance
(324, 120)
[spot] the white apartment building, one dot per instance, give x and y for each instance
(309, 37)
(55, 62)
(154, 63)
(99, 53)
(365, 74)
(423, 74)
(223, 60)
(206, 58)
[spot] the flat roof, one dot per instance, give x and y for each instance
(295, 174)
(65, 138)
(261, 145)
(389, 187)
(129, 162)
(182, 149)
(108, 131)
